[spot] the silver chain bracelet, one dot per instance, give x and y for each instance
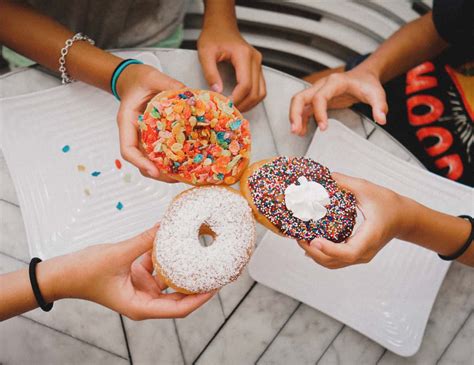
(66, 79)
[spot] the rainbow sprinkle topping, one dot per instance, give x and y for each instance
(267, 186)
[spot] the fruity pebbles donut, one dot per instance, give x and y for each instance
(297, 197)
(178, 256)
(196, 136)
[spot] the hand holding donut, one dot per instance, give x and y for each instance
(136, 86)
(111, 275)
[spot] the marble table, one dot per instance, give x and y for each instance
(247, 322)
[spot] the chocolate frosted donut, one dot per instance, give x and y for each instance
(264, 185)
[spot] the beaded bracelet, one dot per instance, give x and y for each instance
(464, 247)
(118, 70)
(34, 285)
(66, 79)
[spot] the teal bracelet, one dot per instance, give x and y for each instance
(118, 70)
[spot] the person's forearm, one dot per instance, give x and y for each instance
(218, 14)
(17, 295)
(414, 43)
(41, 39)
(436, 231)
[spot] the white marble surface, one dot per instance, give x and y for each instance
(247, 322)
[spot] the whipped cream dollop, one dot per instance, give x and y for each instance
(307, 199)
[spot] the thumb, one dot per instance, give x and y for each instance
(353, 184)
(208, 59)
(138, 245)
(164, 82)
(378, 102)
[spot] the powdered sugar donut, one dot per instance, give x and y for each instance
(196, 136)
(178, 256)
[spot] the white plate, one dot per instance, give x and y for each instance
(65, 209)
(388, 300)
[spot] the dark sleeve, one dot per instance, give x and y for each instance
(454, 21)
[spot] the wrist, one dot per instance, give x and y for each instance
(408, 210)
(127, 78)
(53, 278)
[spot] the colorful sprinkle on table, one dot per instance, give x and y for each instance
(119, 206)
(87, 192)
(95, 173)
(66, 148)
(81, 168)
(118, 164)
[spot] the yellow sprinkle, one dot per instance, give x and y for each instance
(81, 168)
(87, 192)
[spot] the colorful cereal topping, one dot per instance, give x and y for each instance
(95, 173)
(197, 135)
(81, 168)
(267, 186)
(118, 164)
(87, 192)
(119, 206)
(66, 148)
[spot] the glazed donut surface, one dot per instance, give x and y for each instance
(179, 257)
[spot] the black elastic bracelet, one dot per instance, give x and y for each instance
(465, 246)
(34, 285)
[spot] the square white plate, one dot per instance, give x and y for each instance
(63, 208)
(388, 300)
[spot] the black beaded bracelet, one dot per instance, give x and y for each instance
(34, 285)
(464, 247)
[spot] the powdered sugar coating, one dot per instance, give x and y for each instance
(178, 251)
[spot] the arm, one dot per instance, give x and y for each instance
(107, 274)
(219, 41)
(388, 215)
(412, 44)
(42, 41)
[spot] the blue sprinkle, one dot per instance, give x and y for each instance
(66, 148)
(231, 104)
(220, 135)
(200, 118)
(177, 164)
(220, 176)
(140, 118)
(95, 173)
(210, 157)
(235, 124)
(198, 158)
(119, 206)
(182, 96)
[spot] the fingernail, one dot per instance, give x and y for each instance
(150, 172)
(383, 118)
(216, 88)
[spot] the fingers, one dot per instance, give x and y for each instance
(243, 73)
(333, 86)
(377, 100)
(171, 306)
(316, 254)
(298, 111)
(128, 136)
(258, 88)
(209, 59)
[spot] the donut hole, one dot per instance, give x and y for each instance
(206, 235)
